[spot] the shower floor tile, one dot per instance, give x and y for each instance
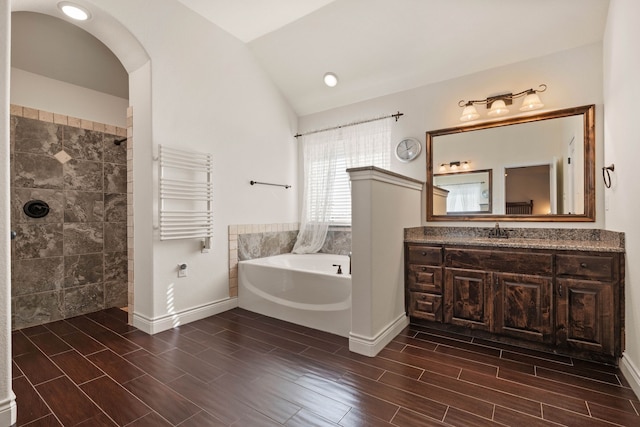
(243, 369)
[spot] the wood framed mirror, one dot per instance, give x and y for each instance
(542, 166)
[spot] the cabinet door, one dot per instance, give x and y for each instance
(523, 307)
(468, 298)
(585, 315)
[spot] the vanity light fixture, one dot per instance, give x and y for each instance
(74, 11)
(497, 105)
(330, 79)
(454, 165)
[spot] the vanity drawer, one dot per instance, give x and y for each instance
(425, 306)
(425, 255)
(423, 278)
(592, 267)
(533, 263)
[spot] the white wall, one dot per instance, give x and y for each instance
(7, 399)
(621, 89)
(574, 78)
(202, 90)
(208, 94)
(42, 93)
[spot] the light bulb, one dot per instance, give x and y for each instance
(330, 79)
(531, 102)
(498, 108)
(74, 11)
(469, 113)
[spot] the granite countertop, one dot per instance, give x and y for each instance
(562, 239)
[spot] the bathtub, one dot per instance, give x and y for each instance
(298, 288)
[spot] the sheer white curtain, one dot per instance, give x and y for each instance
(463, 197)
(327, 155)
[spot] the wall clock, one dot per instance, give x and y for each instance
(408, 149)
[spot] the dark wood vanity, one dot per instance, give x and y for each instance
(562, 297)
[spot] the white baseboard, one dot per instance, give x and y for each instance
(172, 320)
(370, 346)
(8, 411)
(631, 373)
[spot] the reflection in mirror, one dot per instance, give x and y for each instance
(531, 190)
(545, 162)
(465, 192)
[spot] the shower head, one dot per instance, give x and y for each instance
(119, 141)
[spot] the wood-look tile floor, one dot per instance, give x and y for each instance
(243, 369)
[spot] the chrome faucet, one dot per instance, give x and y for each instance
(339, 268)
(498, 233)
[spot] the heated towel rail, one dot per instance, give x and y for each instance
(186, 195)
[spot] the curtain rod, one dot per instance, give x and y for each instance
(396, 115)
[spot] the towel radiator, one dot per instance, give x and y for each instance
(186, 195)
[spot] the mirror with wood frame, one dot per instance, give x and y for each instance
(540, 167)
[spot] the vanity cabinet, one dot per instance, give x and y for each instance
(539, 297)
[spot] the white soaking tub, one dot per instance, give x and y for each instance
(299, 288)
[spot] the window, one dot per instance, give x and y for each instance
(327, 187)
(339, 202)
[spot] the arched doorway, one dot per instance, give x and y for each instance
(133, 57)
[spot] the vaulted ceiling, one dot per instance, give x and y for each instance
(378, 47)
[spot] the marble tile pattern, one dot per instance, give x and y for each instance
(338, 241)
(74, 260)
(260, 245)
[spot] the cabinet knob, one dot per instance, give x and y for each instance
(424, 253)
(583, 264)
(424, 269)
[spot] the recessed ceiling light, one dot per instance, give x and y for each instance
(330, 79)
(74, 11)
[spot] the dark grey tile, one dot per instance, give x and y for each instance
(115, 294)
(53, 198)
(34, 171)
(115, 236)
(82, 269)
(37, 137)
(115, 207)
(83, 206)
(116, 266)
(36, 309)
(37, 241)
(83, 299)
(82, 144)
(31, 276)
(115, 178)
(82, 175)
(83, 238)
(115, 153)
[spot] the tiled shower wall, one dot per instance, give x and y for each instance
(74, 260)
(252, 241)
